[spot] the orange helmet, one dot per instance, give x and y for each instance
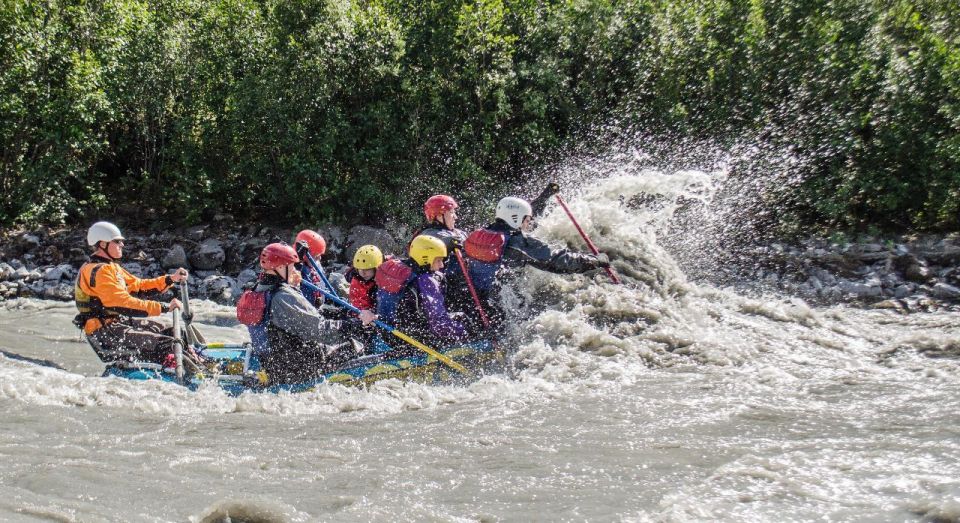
(437, 205)
(314, 241)
(277, 255)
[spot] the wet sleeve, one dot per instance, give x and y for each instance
(522, 250)
(294, 314)
(114, 293)
(441, 324)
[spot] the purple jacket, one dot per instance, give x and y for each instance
(435, 309)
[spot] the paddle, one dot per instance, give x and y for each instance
(389, 328)
(304, 252)
(473, 291)
(593, 248)
(193, 335)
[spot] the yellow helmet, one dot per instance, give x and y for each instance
(367, 257)
(424, 249)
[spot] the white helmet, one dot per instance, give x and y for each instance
(102, 232)
(513, 210)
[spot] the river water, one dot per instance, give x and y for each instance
(658, 400)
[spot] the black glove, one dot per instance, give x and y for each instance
(551, 189)
(303, 250)
(457, 244)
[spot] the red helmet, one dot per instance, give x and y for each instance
(315, 242)
(277, 255)
(437, 205)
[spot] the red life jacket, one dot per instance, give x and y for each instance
(485, 255)
(363, 293)
(393, 275)
(485, 245)
(252, 307)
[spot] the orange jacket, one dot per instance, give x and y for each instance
(104, 289)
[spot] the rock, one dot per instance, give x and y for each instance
(246, 276)
(815, 283)
(60, 291)
(134, 268)
(28, 241)
(15, 263)
(233, 260)
(902, 291)
(5, 271)
(222, 289)
(58, 273)
(889, 305)
(335, 239)
(365, 235)
(78, 256)
(946, 291)
(860, 290)
(945, 255)
(20, 273)
(918, 273)
(196, 233)
(175, 258)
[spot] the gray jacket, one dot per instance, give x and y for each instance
(291, 312)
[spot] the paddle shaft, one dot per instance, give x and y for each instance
(593, 248)
(389, 328)
(473, 291)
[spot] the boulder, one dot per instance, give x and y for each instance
(335, 239)
(222, 289)
(364, 235)
(134, 268)
(175, 258)
(946, 291)
(64, 271)
(246, 276)
(917, 272)
(208, 256)
(60, 291)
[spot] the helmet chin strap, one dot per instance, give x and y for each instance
(103, 248)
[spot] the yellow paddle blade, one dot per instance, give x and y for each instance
(452, 364)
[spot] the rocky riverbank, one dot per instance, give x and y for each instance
(907, 273)
(221, 257)
(910, 273)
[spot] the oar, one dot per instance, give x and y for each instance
(389, 328)
(193, 335)
(316, 267)
(473, 291)
(593, 248)
(178, 345)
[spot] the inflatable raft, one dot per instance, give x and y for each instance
(236, 370)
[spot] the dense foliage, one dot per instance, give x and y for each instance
(309, 110)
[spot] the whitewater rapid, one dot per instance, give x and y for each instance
(662, 399)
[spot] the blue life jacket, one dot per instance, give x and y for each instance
(253, 310)
(485, 249)
(393, 277)
(309, 275)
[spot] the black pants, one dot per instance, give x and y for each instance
(131, 339)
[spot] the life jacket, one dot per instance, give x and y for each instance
(310, 275)
(484, 249)
(89, 306)
(363, 293)
(394, 276)
(253, 310)
(119, 285)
